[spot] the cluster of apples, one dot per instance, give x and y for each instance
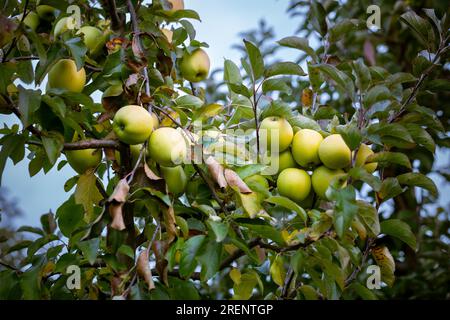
(307, 150)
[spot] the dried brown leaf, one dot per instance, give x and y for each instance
(115, 210)
(143, 269)
(216, 171)
(234, 181)
(150, 174)
(120, 191)
(169, 220)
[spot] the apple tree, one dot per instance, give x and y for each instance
(173, 196)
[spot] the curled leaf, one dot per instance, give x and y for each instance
(234, 180)
(115, 210)
(169, 220)
(216, 170)
(150, 174)
(120, 191)
(143, 269)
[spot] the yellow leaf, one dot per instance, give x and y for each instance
(277, 271)
(87, 193)
(386, 263)
(235, 275)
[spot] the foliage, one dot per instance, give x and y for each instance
(223, 234)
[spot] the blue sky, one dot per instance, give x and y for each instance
(222, 20)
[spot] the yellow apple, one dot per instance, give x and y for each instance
(135, 151)
(305, 147)
(175, 178)
(93, 39)
(133, 124)
(63, 25)
(31, 20)
(294, 183)
(283, 160)
(322, 178)
(194, 67)
(276, 125)
(155, 121)
(167, 147)
(363, 153)
(334, 152)
(64, 75)
(82, 160)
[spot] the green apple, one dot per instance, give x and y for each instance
(194, 67)
(135, 151)
(175, 178)
(64, 75)
(82, 160)
(167, 147)
(294, 183)
(322, 178)
(31, 20)
(93, 39)
(155, 121)
(305, 147)
(334, 152)
(176, 5)
(46, 12)
(133, 124)
(63, 25)
(363, 153)
(276, 125)
(282, 160)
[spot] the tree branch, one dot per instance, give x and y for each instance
(111, 8)
(92, 144)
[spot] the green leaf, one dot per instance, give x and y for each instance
(421, 136)
(57, 105)
(243, 289)
(189, 101)
(345, 208)
(29, 103)
(386, 262)
(300, 44)
(399, 229)
(189, 252)
(240, 88)
(304, 122)
(315, 77)
(375, 95)
(90, 249)
(385, 158)
(209, 258)
(390, 188)
(256, 60)
(277, 270)
(87, 193)
(231, 73)
(359, 173)
(309, 292)
(219, 229)
(53, 143)
(289, 204)
(318, 18)
(341, 79)
(30, 282)
(399, 77)
(249, 170)
(345, 27)
(189, 14)
(362, 291)
(78, 50)
(35, 230)
(421, 27)
(70, 216)
(414, 179)
(369, 217)
(277, 108)
(262, 228)
(13, 146)
(276, 84)
(284, 68)
(351, 135)
(362, 72)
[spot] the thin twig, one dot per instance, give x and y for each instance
(13, 43)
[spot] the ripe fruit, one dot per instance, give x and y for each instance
(177, 5)
(294, 183)
(175, 178)
(63, 25)
(64, 75)
(305, 147)
(168, 34)
(155, 121)
(135, 151)
(46, 12)
(283, 160)
(93, 38)
(363, 153)
(31, 20)
(280, 126)
(195, 66)
(322, 178)
(133, 124)
(167, 146)
(334, 153)
(81, 160)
